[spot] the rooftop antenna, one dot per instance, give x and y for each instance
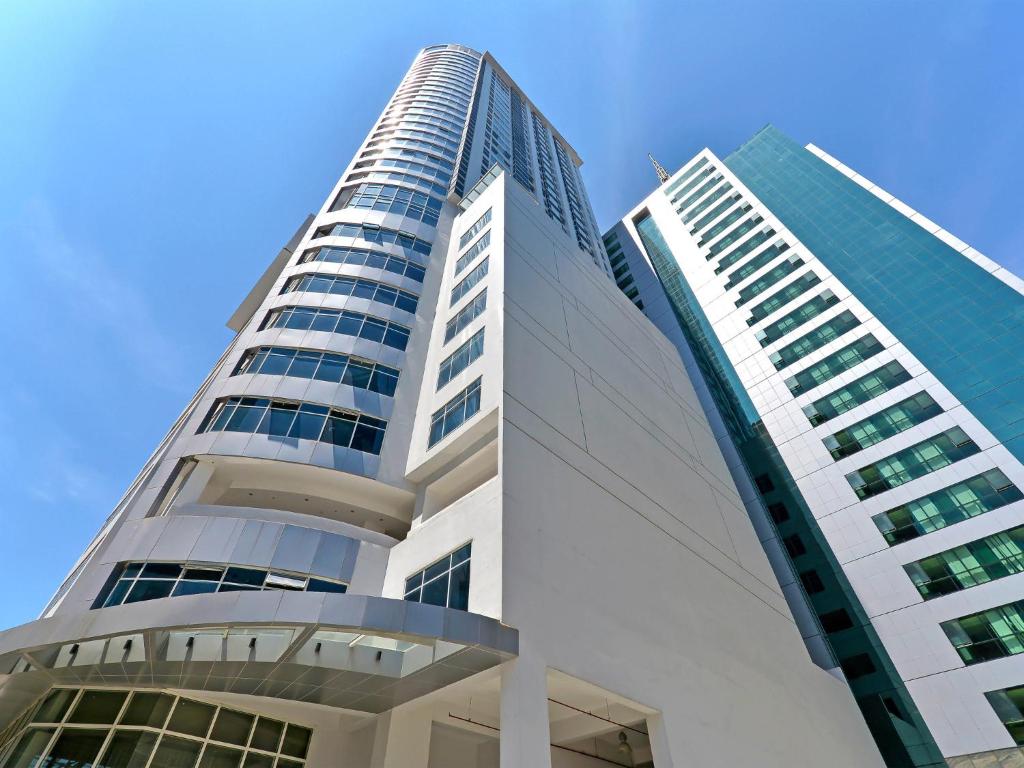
(659, 169)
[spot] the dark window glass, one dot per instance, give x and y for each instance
(215, 756)
(232, 727)
(267, 735)
(836, 621)
(128, 749)
(30, 748)
(857, 666)
(458, 596)
(245, 576)
(191, 717)
(794, 545)
(764, 483)
(98, 707)
(149, 590)
(812, 582)
(54, 706)
(147, 709)
(176, 753)
(75, 748)
(778, 512)
(296, 741)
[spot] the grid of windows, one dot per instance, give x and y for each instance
(971, 564)
(948, 506)
(720, 245)
(825, 333)
(454, 413)
(415, 181)
(762, 259)
(780, 298)
(107, 728)
(467, 258)
(882, 425)
(911, 463)
(391, 199)
(321, 366)
(478, 226)
(469, 282)
(857, 392)
(724, 224)
(715, 212)
(768, 279)
(992, 634)
(746, 247)
(373, 234)
(137, 582)
(831, 366)
(699, 193)
(306, 421)
(707, 202)
(689, 173)
(340, 285)
(461, 358)
(345, 322)
(465, 316)
(440, 174)
(444, 583)
(792, 320)
(362, 257)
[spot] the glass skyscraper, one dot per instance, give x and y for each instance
(865, 369)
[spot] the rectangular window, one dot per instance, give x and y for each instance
(322, 366)
(689, 172)
(825, 333)
(835, 621)
(473, 231)
(696, 180)
(444, 582)
(715, 212)
(857, 392)
(1009, 706)
(742, 229)
(467, 258)
(779, 513)
(831, 366)
(747, 247)
(724, 224)
(710, 200)
(465, 316)
(780, 298)
(948, 506)
(882, 425)
(478, 273)
(769, 278)
(703, 190)
(344, 322)
(992, 634)
(762, 259)
(454, 413)
(461, 358)
(857, 666)
(799, 316)
(794, 545)
(343, 285)
(970, 564)
(911, 463)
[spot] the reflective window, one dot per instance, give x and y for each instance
(715, 212)
(948, 506)
(916, 461)
(344, 322)
(281, 418)
(465, 316)
(734, 235)
(768, 279)
(703, 190)
(1009, 706)
(322, 366)
(724, 224)
(970, 564)
(373, 234)
(992, 634)
(454, 413)
(794, 319)
(391, 199)
(780, 298)
(884, 424)
(461, 358)
(832, 365)
(762, 259)
(139, 581)
(469, 282)
(363, 257)
(340, 285)
(467, 258)
(476, 229)
(856, 393)
(123, 740)
(674, 186)
(824, 334)
(710, 200)
(444, 582)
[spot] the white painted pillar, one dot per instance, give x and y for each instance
(525, 728)
(661, 755)
(402, 738)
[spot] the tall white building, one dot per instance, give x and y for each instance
(447, 500)
(863, 369)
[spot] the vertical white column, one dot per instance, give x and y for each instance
(525, 727)
(402, 739)
(661, 755)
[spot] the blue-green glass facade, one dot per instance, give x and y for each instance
(964, 324)
(897, 727)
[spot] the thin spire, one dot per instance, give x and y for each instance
(659, 169)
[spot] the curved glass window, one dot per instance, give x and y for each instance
(352, 286)
(137, 731)
(137, 582)
(390, 199)
(306, 421)
(342, 321)
(364, 258)
(376, 235)
(322, 366)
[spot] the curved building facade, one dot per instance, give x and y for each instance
(432, 507)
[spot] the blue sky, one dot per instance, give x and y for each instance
(155, 156)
